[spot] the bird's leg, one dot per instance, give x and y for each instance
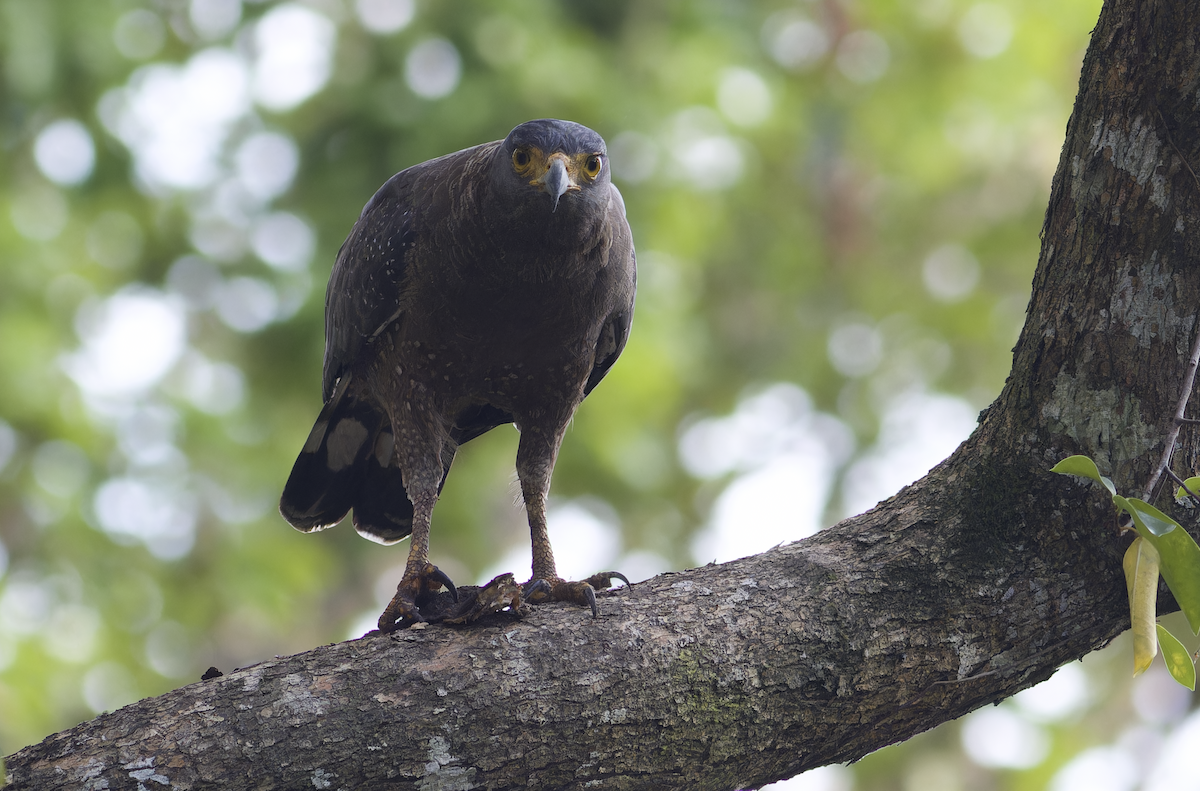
(539, 535)
(535, 463)
(422, 580)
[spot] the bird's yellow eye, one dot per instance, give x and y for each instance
(521, 159)
(592, 166)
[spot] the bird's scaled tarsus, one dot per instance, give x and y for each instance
(414, 601)
(422, 580)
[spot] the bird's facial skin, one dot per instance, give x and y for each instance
(556, 174)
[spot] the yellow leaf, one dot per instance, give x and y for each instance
(1141, 582)
(1178, 660)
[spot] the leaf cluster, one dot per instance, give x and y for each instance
(1163, 547)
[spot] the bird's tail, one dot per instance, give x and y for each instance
(346, 464)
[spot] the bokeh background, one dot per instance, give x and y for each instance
(836, 206)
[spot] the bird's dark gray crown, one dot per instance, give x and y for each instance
(550, 134)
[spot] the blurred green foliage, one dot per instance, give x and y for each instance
(841, 195)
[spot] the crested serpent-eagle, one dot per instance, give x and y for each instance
(494, 285)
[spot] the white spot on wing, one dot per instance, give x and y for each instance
(347, 437)
(384, 444)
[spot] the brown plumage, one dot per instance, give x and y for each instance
(493, 285)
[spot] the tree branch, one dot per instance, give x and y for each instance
(815, 652)
(1178, 421)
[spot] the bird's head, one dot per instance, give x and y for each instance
(551, 165)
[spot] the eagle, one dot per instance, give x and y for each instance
(490, 286)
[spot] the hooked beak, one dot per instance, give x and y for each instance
(556, 181)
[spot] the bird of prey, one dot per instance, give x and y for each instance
(494, 285)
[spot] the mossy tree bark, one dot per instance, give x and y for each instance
(963, 589)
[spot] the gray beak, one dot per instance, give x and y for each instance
(556, 181)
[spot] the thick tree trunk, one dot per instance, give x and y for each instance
(963, 589)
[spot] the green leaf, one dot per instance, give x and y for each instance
(1190, 483)
(1085, 468)
(1178, 660)
(1141, 582)
(1147, 516)
(1179, 557)
(1122, 503)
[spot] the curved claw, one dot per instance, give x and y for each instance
(604, 579)
(538, 586)
(440, 576)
